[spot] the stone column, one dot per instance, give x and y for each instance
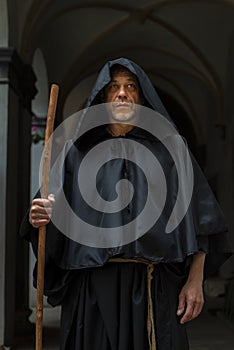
(16, 92)
(226, 185)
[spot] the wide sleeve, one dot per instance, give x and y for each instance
(56, 279)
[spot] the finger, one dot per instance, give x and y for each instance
(197, 309)
(46, 214)
(40, 213)
(181, 305)
(37, 212)
(191, 315)
(192, 311)
(51, 198)
(39, 223)
(198, 303)
(35, 208)
(41, 202)
(188, 313)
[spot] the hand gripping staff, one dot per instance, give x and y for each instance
(42, 230)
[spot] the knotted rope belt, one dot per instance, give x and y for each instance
(150, 318)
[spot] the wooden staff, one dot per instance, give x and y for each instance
(42, 230)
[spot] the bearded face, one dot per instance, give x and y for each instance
(123, 95)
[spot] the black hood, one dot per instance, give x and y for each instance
(152, 99)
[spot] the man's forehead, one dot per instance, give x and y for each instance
(120, 71)
(127, 75)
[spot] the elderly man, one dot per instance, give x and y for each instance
(140, 294)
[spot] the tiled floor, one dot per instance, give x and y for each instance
(205, 333)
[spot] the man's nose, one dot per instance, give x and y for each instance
(122, 92)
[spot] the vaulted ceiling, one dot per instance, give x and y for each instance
(183, 45)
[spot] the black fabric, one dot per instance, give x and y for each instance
(100, 309)
(112, 300)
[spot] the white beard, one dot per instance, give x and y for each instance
(122, 113)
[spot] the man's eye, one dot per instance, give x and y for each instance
(113, 87)
(132, 86)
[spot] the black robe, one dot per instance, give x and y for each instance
(104, 305)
